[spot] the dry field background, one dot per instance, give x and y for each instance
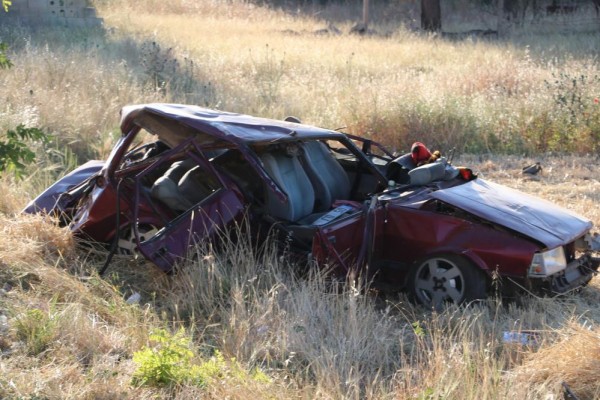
(65, 333)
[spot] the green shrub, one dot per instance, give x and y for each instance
(575, 113)
(15, 153)
(37, 329)
(170, 362)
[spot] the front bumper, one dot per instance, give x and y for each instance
(577, 274)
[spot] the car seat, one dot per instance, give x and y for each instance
(329, 180)
(196, 185)
(183, 185)
(287, 172)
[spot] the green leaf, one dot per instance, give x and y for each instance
(15, 152)
(5, 62)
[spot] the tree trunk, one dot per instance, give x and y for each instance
(511, 9)
(366, 14)
(501, 24)
(431, 15)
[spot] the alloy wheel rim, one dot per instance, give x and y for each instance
(127, 244)
(438, 281)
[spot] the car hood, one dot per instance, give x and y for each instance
(539, 219)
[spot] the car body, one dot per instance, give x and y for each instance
(180, 174)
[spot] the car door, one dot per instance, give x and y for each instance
(209, 212)
(353, 242)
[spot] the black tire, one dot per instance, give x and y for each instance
(448, 278)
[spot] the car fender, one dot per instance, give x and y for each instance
(476, 260)
(46, 201)
(465, 253)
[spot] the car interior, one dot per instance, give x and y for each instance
(313, 175)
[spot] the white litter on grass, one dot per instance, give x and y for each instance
(3, 323)
(523, 337)
(134, 298)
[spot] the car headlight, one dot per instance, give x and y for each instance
(548, 262)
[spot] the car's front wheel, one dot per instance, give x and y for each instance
(445, 279)
(127, 244)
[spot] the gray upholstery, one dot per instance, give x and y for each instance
(183, 185)
(195, 185)
(166, 188)
(427, 173)
(327, 176)
(289, 175)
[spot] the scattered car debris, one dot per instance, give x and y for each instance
(568, 392)
(533, 169)
(134, 298)
(179, 174)
(3, 324)
(525, 338)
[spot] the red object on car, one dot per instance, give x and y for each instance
(420, 153)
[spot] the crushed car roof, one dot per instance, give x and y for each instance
(173, 123)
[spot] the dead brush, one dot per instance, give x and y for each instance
(34, 239)
(12, 198)
(574, 359)
(208, 280)
(321, 339)
(254, 306)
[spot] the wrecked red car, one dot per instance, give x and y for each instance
(179, 174)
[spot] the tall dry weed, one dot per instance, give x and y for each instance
(573, 360)
(478, 96)
(315, 337)
(335, 341)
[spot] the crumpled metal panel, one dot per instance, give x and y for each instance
(537, 218)
(214, 126)
(46, 201)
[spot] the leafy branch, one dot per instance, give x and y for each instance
(14, 151)
(4, 60)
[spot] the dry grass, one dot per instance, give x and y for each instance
(314, 338)
(573, 359)
(475, 95)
